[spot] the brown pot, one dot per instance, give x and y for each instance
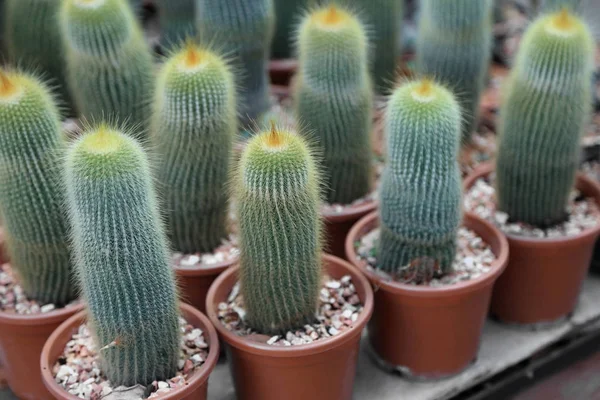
(324, 369)
(281, 71)
(430, 332)
(337, 226)
(544, 276)
(21, 340)
(195, 389)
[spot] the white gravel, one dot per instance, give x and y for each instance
(227, 251)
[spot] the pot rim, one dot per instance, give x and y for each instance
(319, 346)
(487, 168)
(196, 381)
(55, 316)
(283, 64)
(350, 212)
(379, 282)
(213, 269)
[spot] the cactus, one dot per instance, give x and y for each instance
(277, 192)
(544, 112)
(177, 21)
(421, 185)
(243, 29)
(557, 5)
(384, 19)
(454, 46)
(33, 40)
(287, 13)
(110, 67)
(194, 127)
(334, 99)
(31, 195)
(121, 257)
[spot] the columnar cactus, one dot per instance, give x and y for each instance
(121, 257)
(33, 40)
(177, 21)
(421, 186)
(277, 191)
(334, 99)
(243, 29)
(288, 13)
(454, 46)
(31, 195)
(545, 110)
(194, 127)
(110, 67)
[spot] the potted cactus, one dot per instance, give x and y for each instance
(193, 131)
(432, 274)
(274, 323)
(121, 257)
(334, 99)
(36, 283)
(177, 21)
(546, 107)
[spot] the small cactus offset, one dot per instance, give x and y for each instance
(277, 193)
(287, 15)
(244, 30)
(121, 257)
(454, 47)
(31, 192)
(177, 21)
(546, 107)
(421, 185)
(194, 127)
(334, 99)
(110, 67)
(33, 40)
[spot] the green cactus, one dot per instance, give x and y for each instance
(277, 192)
(31, 195)
(556, 5)
(136, 5)
(122, 258)
(288, 13)
(194, 127)
(334, 99)
(177, 21)
(243, 29)
(545, 109)
(33, 40)
(110, 67)
(421, 185)
(454, 46)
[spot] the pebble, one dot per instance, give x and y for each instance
(227, 251)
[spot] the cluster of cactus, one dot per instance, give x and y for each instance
(193, 131)
(31, 191)
(277, 193)
(244, 29)
(110, 67)
(334, 99)
(421, 185)
(287, 15)
(122, 257)
(544, 112)
(177, 21)
(454, 47)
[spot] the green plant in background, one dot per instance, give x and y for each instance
(193, 131)
(334, 99)
(121, 256)
(454, 46)
(546, 107)
(243, 30)
(421, 185)
(277, 193)
(177, 21)
(110, 67)
(32, 38)
(31, 195)
(556, 5)
(136, 4)
(287, 15)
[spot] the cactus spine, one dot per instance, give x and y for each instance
(31, 196)
(287, 16)
(277, 192)
(122, 257)
(244, 29)
(194, 127)
(421, 186)
(454, 46)
(110, 67)
(545, 110)
(177, 21)
(334, 99)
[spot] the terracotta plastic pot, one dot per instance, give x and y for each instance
(21, 340)
(430, 332)
(324, 369)
(337, 226)
(281, 71)
(544, 276)
(195, 389)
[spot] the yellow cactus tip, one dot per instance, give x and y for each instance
(331, 16)
(102, 140)
(7, 85)
(274, 138)
(424, 88)
(193, 56)
(563, 20)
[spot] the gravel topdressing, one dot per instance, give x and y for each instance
(228, 251)
(78, 371)
(339, 308)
